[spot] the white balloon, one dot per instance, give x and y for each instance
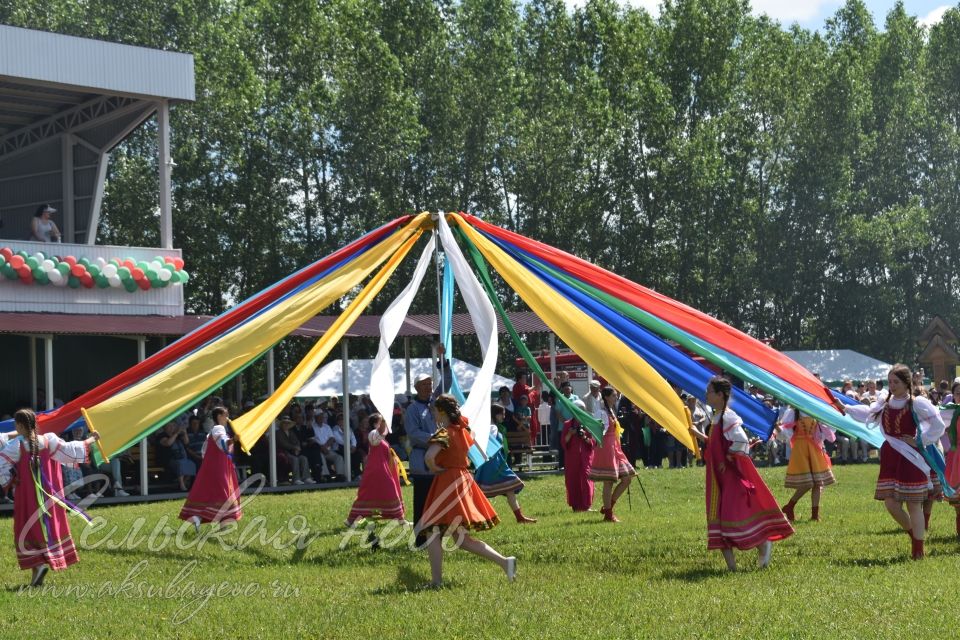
(101, 262)
(109, 270)
(56, 277)
(114, 280)
(39, 256)
(48, 266)
(156, 266)
(164, 274)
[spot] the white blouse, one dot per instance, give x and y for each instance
(733, 431)
(219, 435)
(931, 424)
(74, 452)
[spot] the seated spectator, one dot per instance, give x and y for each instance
(42, 228)
(173, 452)
(332, 439)
(397, 438)
(288, 449)
(196, 436)
(309, 435)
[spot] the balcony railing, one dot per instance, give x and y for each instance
(108, 296)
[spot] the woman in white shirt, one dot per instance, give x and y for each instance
(905, 476)
(42, 228)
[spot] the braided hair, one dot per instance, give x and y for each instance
(447, 404)
(223, 411)
(721, 385)
(27, 419)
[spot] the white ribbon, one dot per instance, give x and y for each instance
(381, 376)
(477, 407)
(911, 454)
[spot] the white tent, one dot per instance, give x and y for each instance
(837, 365)
(327, 380)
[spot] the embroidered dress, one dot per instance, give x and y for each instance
(455, 500)
(741, 511)
(809, 464)
(215, 494)
(378, 496)
(609, 461)
(495, 477)
(41, 534)
(904, 474)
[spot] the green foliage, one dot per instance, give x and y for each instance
(802, 185)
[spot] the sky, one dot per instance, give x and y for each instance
(812, 14)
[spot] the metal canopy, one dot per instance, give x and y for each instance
(65, 103)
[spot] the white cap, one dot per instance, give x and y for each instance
(421, 377)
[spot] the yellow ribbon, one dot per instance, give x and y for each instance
(400, 469)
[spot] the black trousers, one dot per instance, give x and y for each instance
(421, 487)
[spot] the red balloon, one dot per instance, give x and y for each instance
(6, 252)
(178, 263)
(16, 262)
(70, 260)
(26, 275)
(143, 284)
(87, 280)
(78, 270)
(130, 264)
(137, 273)
(168, 259)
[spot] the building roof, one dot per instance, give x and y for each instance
(836, 365)
(364, 327)
(83, 66)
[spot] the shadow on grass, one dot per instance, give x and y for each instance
(870, 563)
(409, 581)
(695, 575)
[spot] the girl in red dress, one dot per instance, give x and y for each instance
(741, 511)
(215, 494)
(610, 465)
(378, 496)
(905, 477)
(41, 531)
(455, 504)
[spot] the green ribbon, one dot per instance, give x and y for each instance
(588, 421)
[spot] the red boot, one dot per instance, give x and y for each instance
(916, 551)
(815, 514)
(788, 511)
(522, 519)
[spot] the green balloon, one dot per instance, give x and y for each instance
(93, 270)
(40, 276)
(9, 272)
(64, 268)
(169, 267)
(32, 262)
(101, 280)
(23, 254)
(143, 266)
(130, 285)
(73, 282)
(124, 274)
(3, 260)
(84, 261)
(184, 276)
(160, 283)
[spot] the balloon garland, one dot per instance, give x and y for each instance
(68, 271)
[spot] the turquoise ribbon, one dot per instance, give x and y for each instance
(934, 458)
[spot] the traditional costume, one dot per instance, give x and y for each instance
(809, 464)
(578, 452)
(215, 494)
(741, 511)
(950, 414)
(40, 527)
(378, 496)
(609, 461)
(495, 477)
(454, 499)
(904, 473)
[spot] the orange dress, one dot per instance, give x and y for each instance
(455, 499)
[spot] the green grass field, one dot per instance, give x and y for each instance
(848, 576)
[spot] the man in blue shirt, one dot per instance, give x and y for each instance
(420, 426)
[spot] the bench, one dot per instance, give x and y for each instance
(518, 444)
